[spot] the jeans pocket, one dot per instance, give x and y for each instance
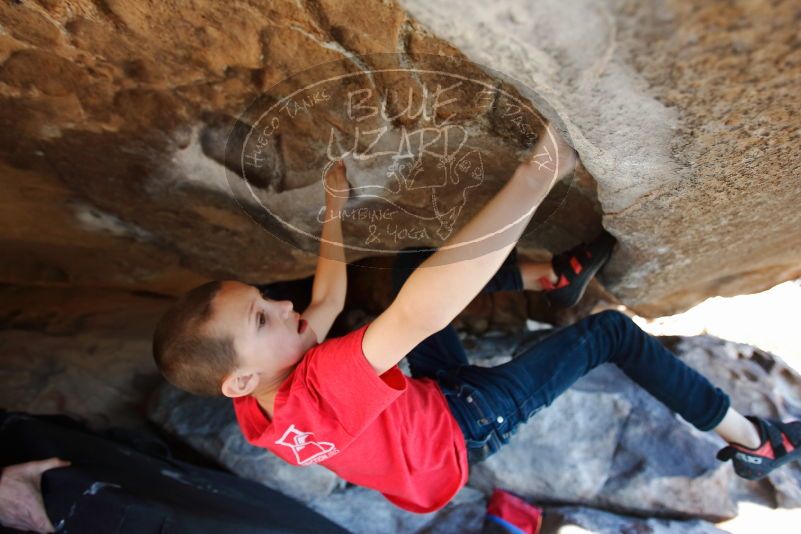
(477, 406)
(485, 440)
(477, 413)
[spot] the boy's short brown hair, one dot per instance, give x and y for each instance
(185, 353)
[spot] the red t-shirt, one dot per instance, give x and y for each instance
(391, 433)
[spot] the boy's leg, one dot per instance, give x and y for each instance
(444, 350)
(491, 402)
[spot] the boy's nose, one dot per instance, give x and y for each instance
(288, 305)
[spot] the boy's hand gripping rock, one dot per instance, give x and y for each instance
(550, 160)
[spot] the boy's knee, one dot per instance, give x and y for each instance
(623, 329)
(617, 322)
(612, 316)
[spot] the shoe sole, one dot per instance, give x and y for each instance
(569, 297)
(744, 469)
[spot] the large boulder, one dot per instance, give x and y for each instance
(117, 119)
(209, 426)
(603, 522)
(605, 444)
(683, 114)
(633, 454)
(365, 511)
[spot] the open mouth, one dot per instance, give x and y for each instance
(302, 324)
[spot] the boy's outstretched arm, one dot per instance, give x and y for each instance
(330, 278)
(448, 280)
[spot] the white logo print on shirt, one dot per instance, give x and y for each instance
(307, 451)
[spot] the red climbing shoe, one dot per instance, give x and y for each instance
(575, 268)
(781, 443)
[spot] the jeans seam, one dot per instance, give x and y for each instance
(456, 390)
(481, 409)
(478, 399)
(523, 410)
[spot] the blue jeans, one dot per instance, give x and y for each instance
(490, 402)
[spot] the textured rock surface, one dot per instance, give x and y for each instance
(691, 481)
(605, 443)
(683, 113)
(86, 353)
(80, 352)
(601, 522)
(114, 117)
(209, 425)
(758, 382)
(627, 453)
(365, 511)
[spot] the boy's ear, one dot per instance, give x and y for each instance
(239, 383)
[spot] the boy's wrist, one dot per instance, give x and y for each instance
(529, 174)
(533, 182)
(334, 203)
(330, 300)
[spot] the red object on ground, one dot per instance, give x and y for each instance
(515, 515)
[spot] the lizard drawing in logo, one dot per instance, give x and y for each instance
(448, 192)
(307, 451)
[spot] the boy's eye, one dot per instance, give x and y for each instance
(262, 320)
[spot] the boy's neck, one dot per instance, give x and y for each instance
(266, 397)
(266, 404)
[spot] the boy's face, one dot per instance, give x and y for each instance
(265, 331)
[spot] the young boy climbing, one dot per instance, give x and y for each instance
(345, 404)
